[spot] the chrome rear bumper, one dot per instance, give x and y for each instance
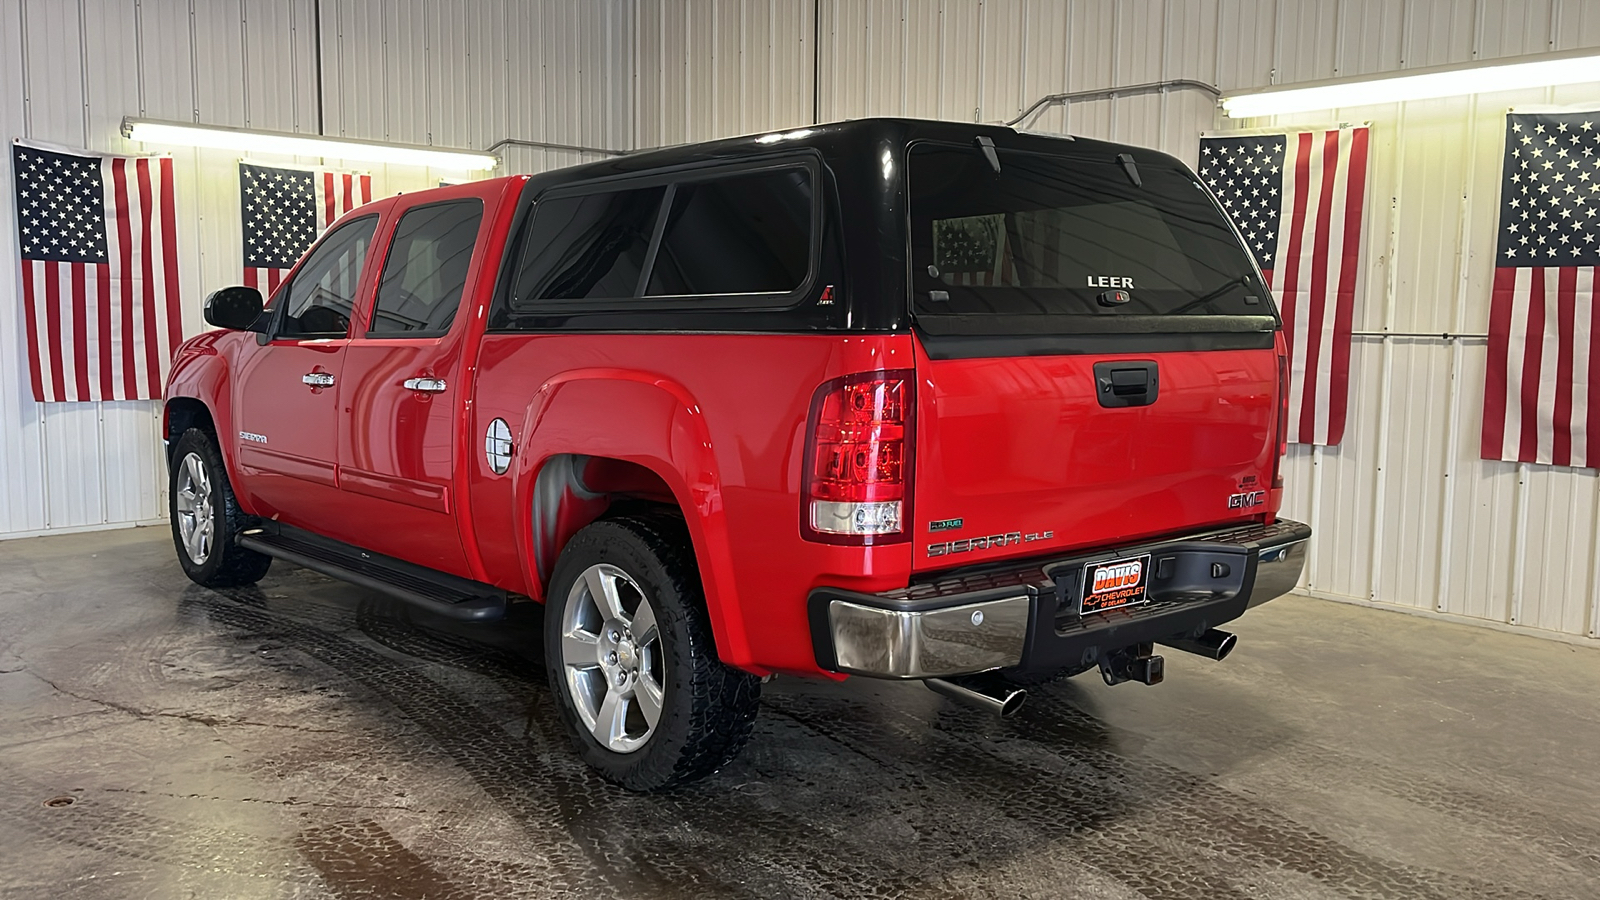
(1018, 615)
(920, 643)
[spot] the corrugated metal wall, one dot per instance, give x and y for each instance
(1406, 513)
(459, 73)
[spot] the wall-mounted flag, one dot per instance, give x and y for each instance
(284, 210)
(1538, 400)
(1297, 199)
(99, 249)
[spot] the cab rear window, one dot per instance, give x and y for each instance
(1062, 235)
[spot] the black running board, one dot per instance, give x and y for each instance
(438, 592)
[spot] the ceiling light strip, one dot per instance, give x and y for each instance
(153, 131)
(1418, 84)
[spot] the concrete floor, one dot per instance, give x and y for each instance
(311, 739)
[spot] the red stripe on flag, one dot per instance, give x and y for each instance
(152, 352)
(119, 184)
(250, 277)
(1344, 303)
(274, 278)
(366, 189)
(169, 261)
(1566, 310)
(1316, 318)
(1532, 351)
(52, 321)
(1494, 387)
(1291, 266)
(80, 331)
(31, 316)
(327, 199)
(1591, 415)
(349, 192)
(102, 284)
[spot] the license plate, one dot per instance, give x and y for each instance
(1120, 582)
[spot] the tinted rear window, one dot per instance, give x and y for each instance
(587, 247)
(743, 234)
(1049, 235)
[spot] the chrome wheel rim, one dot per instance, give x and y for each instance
(191, 502)
(612, 658)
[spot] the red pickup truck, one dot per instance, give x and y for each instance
(893, 398)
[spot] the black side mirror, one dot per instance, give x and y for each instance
(238, 308)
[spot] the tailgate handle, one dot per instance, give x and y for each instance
(1129, 381)
(1126, 383)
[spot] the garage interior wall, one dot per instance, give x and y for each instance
(457, 74)
(1406, 514)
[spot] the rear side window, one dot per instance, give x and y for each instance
(746, 234)
(1052, 234)
(743, 234)
(426, 271)
(587, 247)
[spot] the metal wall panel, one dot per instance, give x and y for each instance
(449, 72)
(1406, 513)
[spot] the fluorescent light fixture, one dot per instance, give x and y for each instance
(151, 131)
(1418, 84)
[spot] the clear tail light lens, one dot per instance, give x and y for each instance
(858, 459)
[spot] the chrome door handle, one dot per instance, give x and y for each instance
(318, 379)
(425, 385)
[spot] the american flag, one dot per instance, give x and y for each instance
(285, 209)
(1297, 200)
(1537, 406)
(99, 247)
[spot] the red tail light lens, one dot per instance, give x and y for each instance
(1283, 421)
(858, 459)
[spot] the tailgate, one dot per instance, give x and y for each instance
(1017, 455)
(1097, 352)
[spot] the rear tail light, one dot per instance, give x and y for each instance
(1283, 421)
(856, 485)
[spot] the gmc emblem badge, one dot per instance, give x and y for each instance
(1247, 499)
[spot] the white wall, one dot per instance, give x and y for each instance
(1405, 512)
(460, 73)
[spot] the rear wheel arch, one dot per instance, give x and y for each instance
(570, 491)
(656, 453)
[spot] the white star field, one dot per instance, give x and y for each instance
(1246, 174)
(1550, 196)
(280, 215)
(60, 206)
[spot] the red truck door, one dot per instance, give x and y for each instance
(403, 390)
(287, 392)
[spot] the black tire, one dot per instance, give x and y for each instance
(707, 709)
(224, 563)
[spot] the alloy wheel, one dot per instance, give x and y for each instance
(192, 503)
(612, 658)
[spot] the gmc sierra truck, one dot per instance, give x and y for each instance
(891, 398)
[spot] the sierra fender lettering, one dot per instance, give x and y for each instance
(978, 543)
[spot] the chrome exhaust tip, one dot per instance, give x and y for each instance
(985, 691)
(1214, 644)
